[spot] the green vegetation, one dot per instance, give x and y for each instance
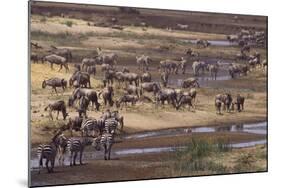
(68, 23)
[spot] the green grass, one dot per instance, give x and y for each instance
(68, 23)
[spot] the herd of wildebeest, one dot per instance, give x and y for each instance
(100, 131)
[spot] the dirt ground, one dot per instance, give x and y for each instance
(49, 27)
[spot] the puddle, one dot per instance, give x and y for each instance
(214, 42)
(254, 128)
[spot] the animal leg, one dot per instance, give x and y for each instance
(80, 157)
(74, 158)
(47, 166)
(60, 68)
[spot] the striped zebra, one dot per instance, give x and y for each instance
(48, 152)
(106, 141)
(62, 145)
(77, 145)
(88, 126)
(110, 125)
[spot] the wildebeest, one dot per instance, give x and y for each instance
(143, 62)
(146, 77)
(202, 43)
(168, 95)
(88, 62)
(106, 57)
(226, 99)
(170, 66)
(91, 70)
(58, 60)
(213, 69)
(82, 79)
(63, 52)
(131, 78)
(185, 99)
(238, 69)
(190, 82)
(197, 66)
(34, 57)
(109, 75)
(54, 83)
(127, 98)
(149, 87)
(164, 78)
(107, 95)
(218, 106)
(239, 102)
(245, 48)
(83, 106)
(232, 38)
(58, 106)
(72, 124)
(132, 89)
(90, 93)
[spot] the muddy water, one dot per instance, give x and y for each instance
(255, 128)
(215, 42)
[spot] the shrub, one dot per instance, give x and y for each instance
(69, 23)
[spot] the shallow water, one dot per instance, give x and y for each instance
(214, 42)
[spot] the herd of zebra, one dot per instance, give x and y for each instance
(100, 132)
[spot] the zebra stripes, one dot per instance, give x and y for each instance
(89, 125)
(107, 139)
(110, 125)
(48, 152)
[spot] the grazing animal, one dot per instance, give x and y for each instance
(132, 89)
(197, 66)
(170, 66)
(245, 48)
(131, 78)
(107, 95)
(66, 53)
(34, 57)
(107, 58)
(183, 65)
(146, 77)
(91, 70)
(73, 124)
(83, 106)
(164, 78)
(238, 69)
(125, 99)
(62, 144)
(226, 99)
(109, 76)
(213, 69)
(182, 26)
(54, 83)
(239, 102)
(190, 82)
(58, 60)
(168, 95)
(82, 79)
(106, 141)
(88, 62)
(48, 152)
(218, 105)
(90, 93)
(89, 127)
(202, 43)
(77, 145)
(119, 118)
(185, 100)
(57, 106)
(232, 38)
(143, 62)
(110, 124)
(149, 87)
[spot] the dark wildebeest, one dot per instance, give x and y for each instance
(185, 99)
(77, 67)
(132, 89)
(190, 82)
(232, 38)
(213, 69)
(146, 77)
(82, 79)
(88, 62)
(168, 95)
(202, 43)
(91, 70)
(109, 75)
(131, 77)
(107, 57)
(239, 102)
(72, 124)
(90, 93)
(58, 60)
(150, 87)
(164, 78)
(125, 99)
(245, 48)
(57, 106)
(226, 99)
(238, 69)
(34, 57)
(197, 66)
(66, 53)
(107, 95)
(54, 83)
(83, 106)
(143, 62)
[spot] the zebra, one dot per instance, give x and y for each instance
(110, 125)
(106, 141)
(77, 145)
(62, 144)
(89, 125)
(48, 152)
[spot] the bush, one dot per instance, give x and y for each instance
(69, 23)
